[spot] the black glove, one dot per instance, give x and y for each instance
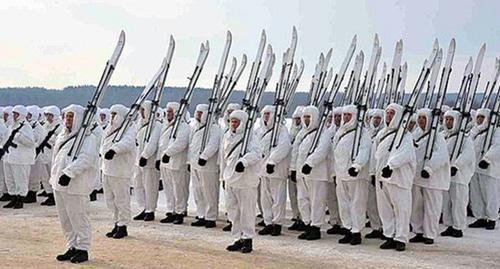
(2, 152)
(335, 180)
(240, 168)
(293, 176)
(483, 164)
(157, 165)
(425, 174)
(202, 162)
(165, 158)
(386, 172)
(353, 172)
(189, 168)
(373, 180)
(270, 168)
(64, 180)
(110, 154)
(143, 161)
(454, 171)
(37, 150)
(306, 169)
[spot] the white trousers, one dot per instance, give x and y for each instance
(37, 172)
(372, 209)
(46, 167)
(304, 200)
(484, 197)
(455, 206)
(352, 197)
(241, 211)
(73, 215)
(178, 181)
(312, 196)
(146, 188)
(292, 195)
(332, 203)
(206, 193)
(117, 193)
(426, 210)
(3, 185)
(273, 199)
(394, 207)
(17, 178)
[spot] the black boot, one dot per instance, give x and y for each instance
(80, 256)
(228, 227)
(374, 234)
(110, 234)
(42, 194)
(295, 225)
(428, 241)
(276, 230)
(93, 196)
(210, 224)
(490, 225)
(267, 230)
(306, 233)
(101, 190)
(346, 239)
(480, 223)
(355, 239)
(19, 202)
(419, 238)
(261, 224)
(388, 244)
(336, 229)
(5, 197)
(179, 219)
(140, 216)
(30, 197)
(247, 246)
(169, 219)
(67, 255)
(149, 216)
(457, 233)
(314, 234)
(236, 246)
(50, 200)
(400, 246)
(448, 231)
(13, 200)
(121, 232)
(199, 223)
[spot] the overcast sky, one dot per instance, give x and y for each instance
(54, 44)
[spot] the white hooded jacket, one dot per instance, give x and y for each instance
(51, 132)
(24, 140)
(147, 150)
(318, 160)
(491, 155)
(82, 171)
(176, 149)
(401, 160)
(211, 151)
(438, 166)
(343, 146)
(229, 156)
(466, 161)
(120, 166)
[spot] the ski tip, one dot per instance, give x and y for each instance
(354, 40)
(436, 44)
(244, 58)
(263, 35)
(229, 36)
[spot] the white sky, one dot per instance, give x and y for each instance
(54, 44)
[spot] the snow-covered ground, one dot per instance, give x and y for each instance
(31, 237)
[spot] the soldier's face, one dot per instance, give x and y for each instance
(198, 115)
(297, 120)
(143, 112)
(266, 116)
(449, 121)
(113, 117)
(68, 120)
(337, 118)
(28, 116)
(347, 117)
(389, 115)
(103, 117)
(306, 119)
(15, 116)
(49, 117)
(376, 120)
(5, 117)
(234, 124)
(422, 121)
(170, 114)
(479, 119)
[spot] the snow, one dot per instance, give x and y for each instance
(31, 237)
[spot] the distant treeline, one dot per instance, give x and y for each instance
(126, 95)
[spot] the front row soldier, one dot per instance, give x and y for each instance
(394, 171)
(239, 175)
(72, 183)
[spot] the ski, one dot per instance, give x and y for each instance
(91, 109)
(463, 86)
(431, 85)
(491, 85)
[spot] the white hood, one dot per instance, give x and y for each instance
(397, 116)
(78, 112)
(349, 109)
(427, 113)
(35, 112)
(313, 112)
(271, 109)
(22, 111)
(243, 117)
(203, 108)
(456, 117)
(482, 112)
(121, 112)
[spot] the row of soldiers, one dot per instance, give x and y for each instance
(393, 188)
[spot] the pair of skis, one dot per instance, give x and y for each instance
(222, 89)
(91, 109)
